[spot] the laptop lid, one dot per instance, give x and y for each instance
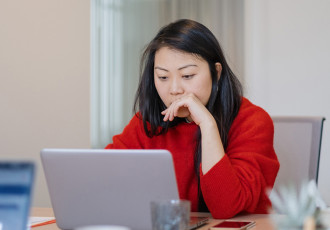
(102, 187)
(16, 182)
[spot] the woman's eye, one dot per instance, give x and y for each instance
(162, 78)
(188, 76)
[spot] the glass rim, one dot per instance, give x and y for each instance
(170, 201)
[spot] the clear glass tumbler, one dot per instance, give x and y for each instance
(170, 214)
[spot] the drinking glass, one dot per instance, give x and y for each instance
(170, 214)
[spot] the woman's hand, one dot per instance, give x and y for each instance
(188, 106)
(191, 107)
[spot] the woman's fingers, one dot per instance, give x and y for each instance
(178, 108)
(188, 106)
(166, 114)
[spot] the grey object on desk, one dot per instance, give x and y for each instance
(107, 187)
(297, 143)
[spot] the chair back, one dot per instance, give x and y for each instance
(297, 143)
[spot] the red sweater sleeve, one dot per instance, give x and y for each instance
(238, 181)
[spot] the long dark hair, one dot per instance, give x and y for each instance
(225, 100)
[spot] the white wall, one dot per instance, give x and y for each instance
(44, 79)
(287, 64)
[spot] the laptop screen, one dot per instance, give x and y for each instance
(15, 191)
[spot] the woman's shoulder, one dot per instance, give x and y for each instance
(252, 115)
(249, 109)
(131, 137)
(135, 124)
(136, 119)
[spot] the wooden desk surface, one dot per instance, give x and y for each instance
(263, 221)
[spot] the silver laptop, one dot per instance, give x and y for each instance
(107, 187)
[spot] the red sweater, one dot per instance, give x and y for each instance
(238, 181)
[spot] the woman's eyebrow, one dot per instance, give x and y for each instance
(157, 67)
(186, 66)
(180, 68)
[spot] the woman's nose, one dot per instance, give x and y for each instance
(176, 87)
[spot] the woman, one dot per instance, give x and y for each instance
(190, 103)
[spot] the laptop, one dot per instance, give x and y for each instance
(108, 187)
(16, 182)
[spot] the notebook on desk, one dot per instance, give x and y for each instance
(108, 187)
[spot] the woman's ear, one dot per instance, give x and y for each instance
(218, 67)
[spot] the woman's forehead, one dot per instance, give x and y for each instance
(171, 52)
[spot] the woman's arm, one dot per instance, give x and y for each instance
(189, 106)
(212, 147)
(235, 181)
(238, 182)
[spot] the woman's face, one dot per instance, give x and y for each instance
(177, 73)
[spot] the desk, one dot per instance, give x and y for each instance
(263, 221)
